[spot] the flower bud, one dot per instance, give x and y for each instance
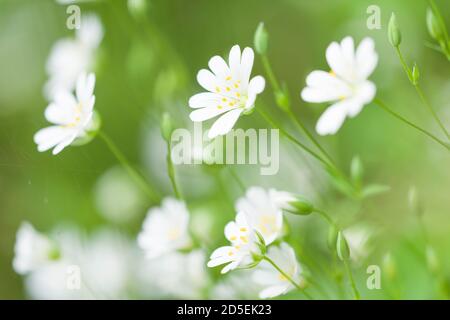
(433, 25)
(261, 39)
(342, 248)
(415, 74)
(414, 202)
(300, 206)
(332, 237)
(357, 170)
(166, 126)
(389, 266)
(282, 99)
(432, 260)
(395, 37)
(137, 7)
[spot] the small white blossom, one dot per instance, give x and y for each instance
(345, 86)
(262, 213)
(165, 229)
(274, 282)
(33, 250)
(358, 238)
(242, 243)
(230, 90)
(71, 115)
(70, 57)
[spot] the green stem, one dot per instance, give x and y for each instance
(293, 139)
(431, 110)
(296, 285)
(420, 92)
(171, 172)
(270, 74)
(352, 280)
(131, 171)
(237, 179)
(326, 217)
(393, 113)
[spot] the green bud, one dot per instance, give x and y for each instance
(91, 131)
(433, 25)
(356, 170)
(432, 260)
(414, 201)
(166, 126)
(332, 237)
(395, 37)
(343, 251)
(415, 74)
(261, 243)
(300, 206)
(389, 266)
(261, 39)
(54, 253)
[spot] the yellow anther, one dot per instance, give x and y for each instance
(219, 107)
(231, 104)
(230, 253)
(238, 94)
(232, 238)
(217, 89)
(224, 99)
(243, 229)
(228, 78)
(236, 85)
(244, 239)
(228, 88)
(332, 73)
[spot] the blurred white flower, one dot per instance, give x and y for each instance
(117, 197)
(70, 57)
(243, 244)
(235, 286)
(345, 86)
(358, 238)
(165, 229)
(262, 213)
(274, 282)
(230, 90)
(71, 115)
(32, 250)
(175, 275)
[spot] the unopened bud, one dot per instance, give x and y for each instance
(433, 25)
(166, 126)
(261, 39)
(415, 74)
(395, 37)
(342, 248)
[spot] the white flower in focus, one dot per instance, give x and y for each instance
(70, 57)
(345, 86)
(71, 115)
(274, 282)
(230, 90)
(165, 229)
(242, 243)
(32, 250)
(262, 213)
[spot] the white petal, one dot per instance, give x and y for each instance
(65, 99)
(207, 80)
(366, 58)
(324, 87)
(204, 100)
(364, 94)
(229, 267)
(338, 62)
(67, 141)
(49, 137)
(85, 87)
(332, 119)
(234, 61)
(225, 123)
(208, 113)
(255, 87)
(348, 50)
(219, 67)
(273, 291)
(246, 65)
(59, 114)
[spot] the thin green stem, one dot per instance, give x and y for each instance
(284, 274)
(270, 74)
(420, 92)
(293, 139)
(431, 110)
(326, 217)
(237, 179)
(352, 280)
(310, 136)
(131, 171)
(171, 172)
(383, 106)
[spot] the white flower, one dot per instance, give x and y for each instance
(70, 57)
(275, 283)
(165, 229)
(243, 242)
(72, 116)
(345, 86)
(230, 90)
(262, 213)
(33, 250)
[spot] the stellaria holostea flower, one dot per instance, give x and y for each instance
(230, 90)
(345, 86)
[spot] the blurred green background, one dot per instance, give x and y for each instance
(147, 63)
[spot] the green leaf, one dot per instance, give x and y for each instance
(374, 189)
